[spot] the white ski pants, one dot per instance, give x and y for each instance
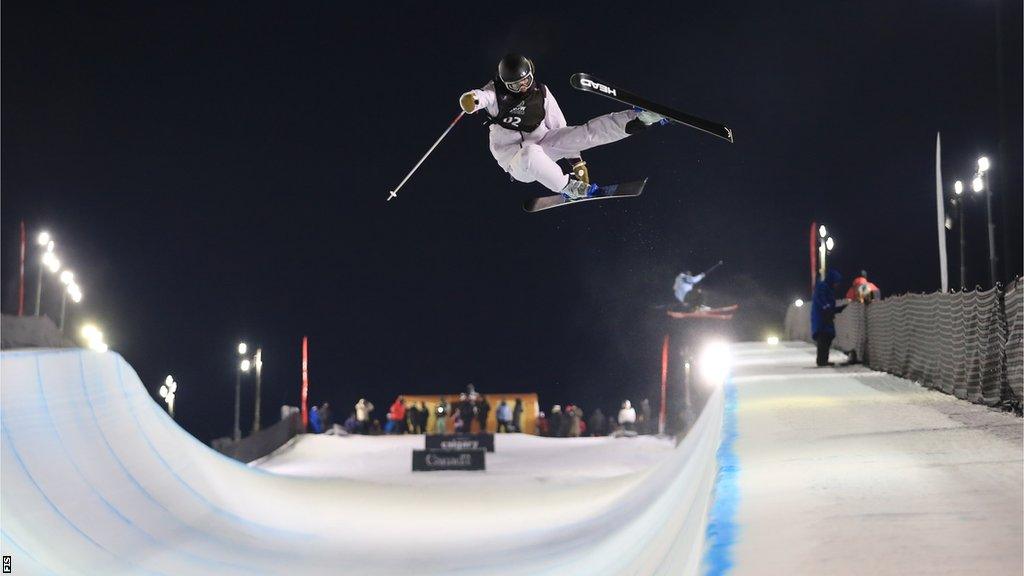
(536, 161)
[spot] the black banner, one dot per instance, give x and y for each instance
(430, 460)
(460, 441)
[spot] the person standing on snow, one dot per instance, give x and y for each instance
(529, 135)
(823, 312)
(441, 413)
(627, 416)
(504, 417)
(364, 408)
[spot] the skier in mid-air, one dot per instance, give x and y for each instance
(529, 135)
(684, 284)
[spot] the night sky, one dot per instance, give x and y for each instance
(217, 171)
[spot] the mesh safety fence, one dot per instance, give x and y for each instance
(852, 331)
(1014, 305)
(968, 344)
(953, 342)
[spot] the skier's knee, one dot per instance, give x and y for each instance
(530, 155)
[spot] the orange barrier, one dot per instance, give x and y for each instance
(531, 407)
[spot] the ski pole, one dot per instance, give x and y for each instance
(394, 193)
(708, 271)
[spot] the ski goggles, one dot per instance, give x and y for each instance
(520, 85)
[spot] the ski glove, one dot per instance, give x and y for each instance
(468, 102)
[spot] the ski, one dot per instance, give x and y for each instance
(626, 190)
(723, 313)
(708, 315)
(588, 83)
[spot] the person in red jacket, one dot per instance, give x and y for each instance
(863, 290)
(397, 415)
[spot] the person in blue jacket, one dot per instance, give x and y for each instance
(823, 311)
(314, 420)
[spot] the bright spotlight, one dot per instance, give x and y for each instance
(978, 184)
(246, 364)
(830, 244)
(44, 238)
(958, 187)
(715, 362)
(983, 164)
(799, 303)
(821, 231)
(66, 277)
(90, 332)
(242, 348)
(772, 340)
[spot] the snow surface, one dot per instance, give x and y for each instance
(837, 470)
(848, 471)
(518, 459)
(97, 479)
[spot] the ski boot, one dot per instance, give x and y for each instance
(644, 120)
(576, 189)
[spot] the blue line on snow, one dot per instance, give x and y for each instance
(721, 530)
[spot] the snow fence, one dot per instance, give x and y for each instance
(968, 344)
(97, 479)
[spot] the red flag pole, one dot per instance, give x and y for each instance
(21, 274)
(814, 255)
(664, 380)
(305, 381)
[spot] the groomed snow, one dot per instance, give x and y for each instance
(519, 459)
(97, 479)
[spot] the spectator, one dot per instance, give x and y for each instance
(565, 422)
(627, 416)
(351, 424)
(412, 419)
(504, 417)
(424, 417)
(555, 421)
(467, 413)
(441, 413)
(645, 417)
(364, 409)
(823, 311)
(573, 414)
(596, 423)
(485, 411)
(517, 416)
(326, 417)
(314, 420)
(541, 425)
(397, 415)
(863, 290)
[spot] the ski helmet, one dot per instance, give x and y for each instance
(516, 72)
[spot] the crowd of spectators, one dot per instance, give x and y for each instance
(469, 414)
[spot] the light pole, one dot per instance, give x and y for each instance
(47, 260)
(958, 189)
(243, 366)
(43, 240)
(822, 233)
(258, 365)
(978, 185)
(167, 390)
(67, 278)
(825, 247)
